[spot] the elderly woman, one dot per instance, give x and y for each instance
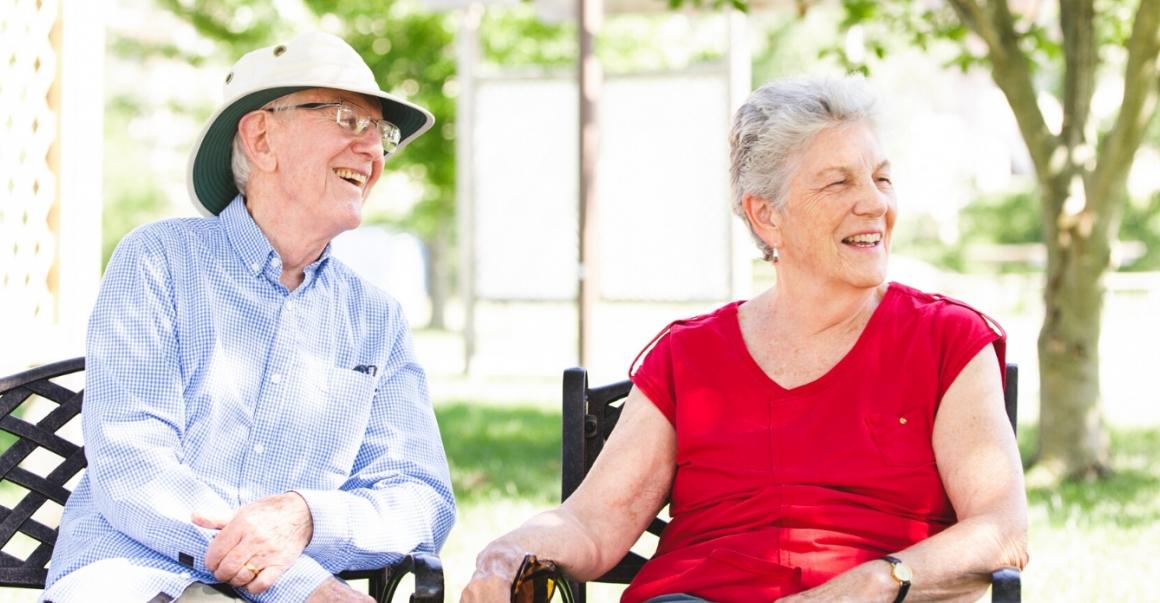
(837, 437)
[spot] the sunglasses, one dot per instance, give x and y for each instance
(538, 580)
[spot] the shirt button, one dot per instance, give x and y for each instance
(276, 378)
(255, 266)
(259, 448)
(186, 575)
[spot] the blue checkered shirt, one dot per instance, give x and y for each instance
(209, 385)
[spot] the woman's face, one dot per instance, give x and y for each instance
(839, 210)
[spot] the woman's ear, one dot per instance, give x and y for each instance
(253, 128)
(765, 221)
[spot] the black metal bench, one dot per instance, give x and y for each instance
(590, 413)
(39, 466)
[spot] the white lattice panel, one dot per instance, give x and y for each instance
(28, 131)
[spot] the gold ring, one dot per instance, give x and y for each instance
(253, 570)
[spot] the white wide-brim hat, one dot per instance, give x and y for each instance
(312, 60)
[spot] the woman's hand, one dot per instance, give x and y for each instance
(870, 581)
(581, 535)
(495, 569)
(334, 590)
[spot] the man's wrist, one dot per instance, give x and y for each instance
(330, 538)
(306, 517)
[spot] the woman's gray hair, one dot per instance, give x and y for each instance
(776, 123)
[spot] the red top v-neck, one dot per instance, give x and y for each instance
(778, 490)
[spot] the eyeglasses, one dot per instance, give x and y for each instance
(537, 580)
(345, 116)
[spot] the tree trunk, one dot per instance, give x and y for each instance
(1072, 440)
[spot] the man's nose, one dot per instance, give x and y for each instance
(369, 142)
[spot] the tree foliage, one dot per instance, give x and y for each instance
(514, 37)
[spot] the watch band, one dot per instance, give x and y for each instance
(901, 575)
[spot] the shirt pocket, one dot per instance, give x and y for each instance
(339, 417)
(347, 383)
(903, 439)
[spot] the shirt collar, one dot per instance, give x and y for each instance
(252, 246)
(247, 239)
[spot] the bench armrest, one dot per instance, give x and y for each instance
(1006, 585)
(428, 570)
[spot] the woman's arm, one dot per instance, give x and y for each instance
(978, 461)
(631, 478)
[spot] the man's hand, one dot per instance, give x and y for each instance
(334, 591)
(262, 539)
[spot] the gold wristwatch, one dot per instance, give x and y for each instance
(901, 574)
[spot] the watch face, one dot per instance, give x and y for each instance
(901, 572)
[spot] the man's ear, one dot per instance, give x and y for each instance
(765, 221)
(253, 128)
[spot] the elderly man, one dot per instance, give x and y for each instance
(255, 415)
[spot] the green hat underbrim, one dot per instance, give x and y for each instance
(212, 175)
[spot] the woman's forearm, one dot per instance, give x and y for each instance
(555, 534)
(957, 563)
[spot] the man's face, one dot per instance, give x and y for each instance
(324, 171)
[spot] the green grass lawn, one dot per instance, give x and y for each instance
(1089, 542)
(501, 452)
(1099, 542)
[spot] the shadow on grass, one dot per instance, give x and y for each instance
(1128, 498)
(501, 451)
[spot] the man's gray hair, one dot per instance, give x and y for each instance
(239, 163)
(777, 122)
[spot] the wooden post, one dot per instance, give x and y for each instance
(589, 17)
(467, 57)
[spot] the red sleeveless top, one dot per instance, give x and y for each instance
(778, 490)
